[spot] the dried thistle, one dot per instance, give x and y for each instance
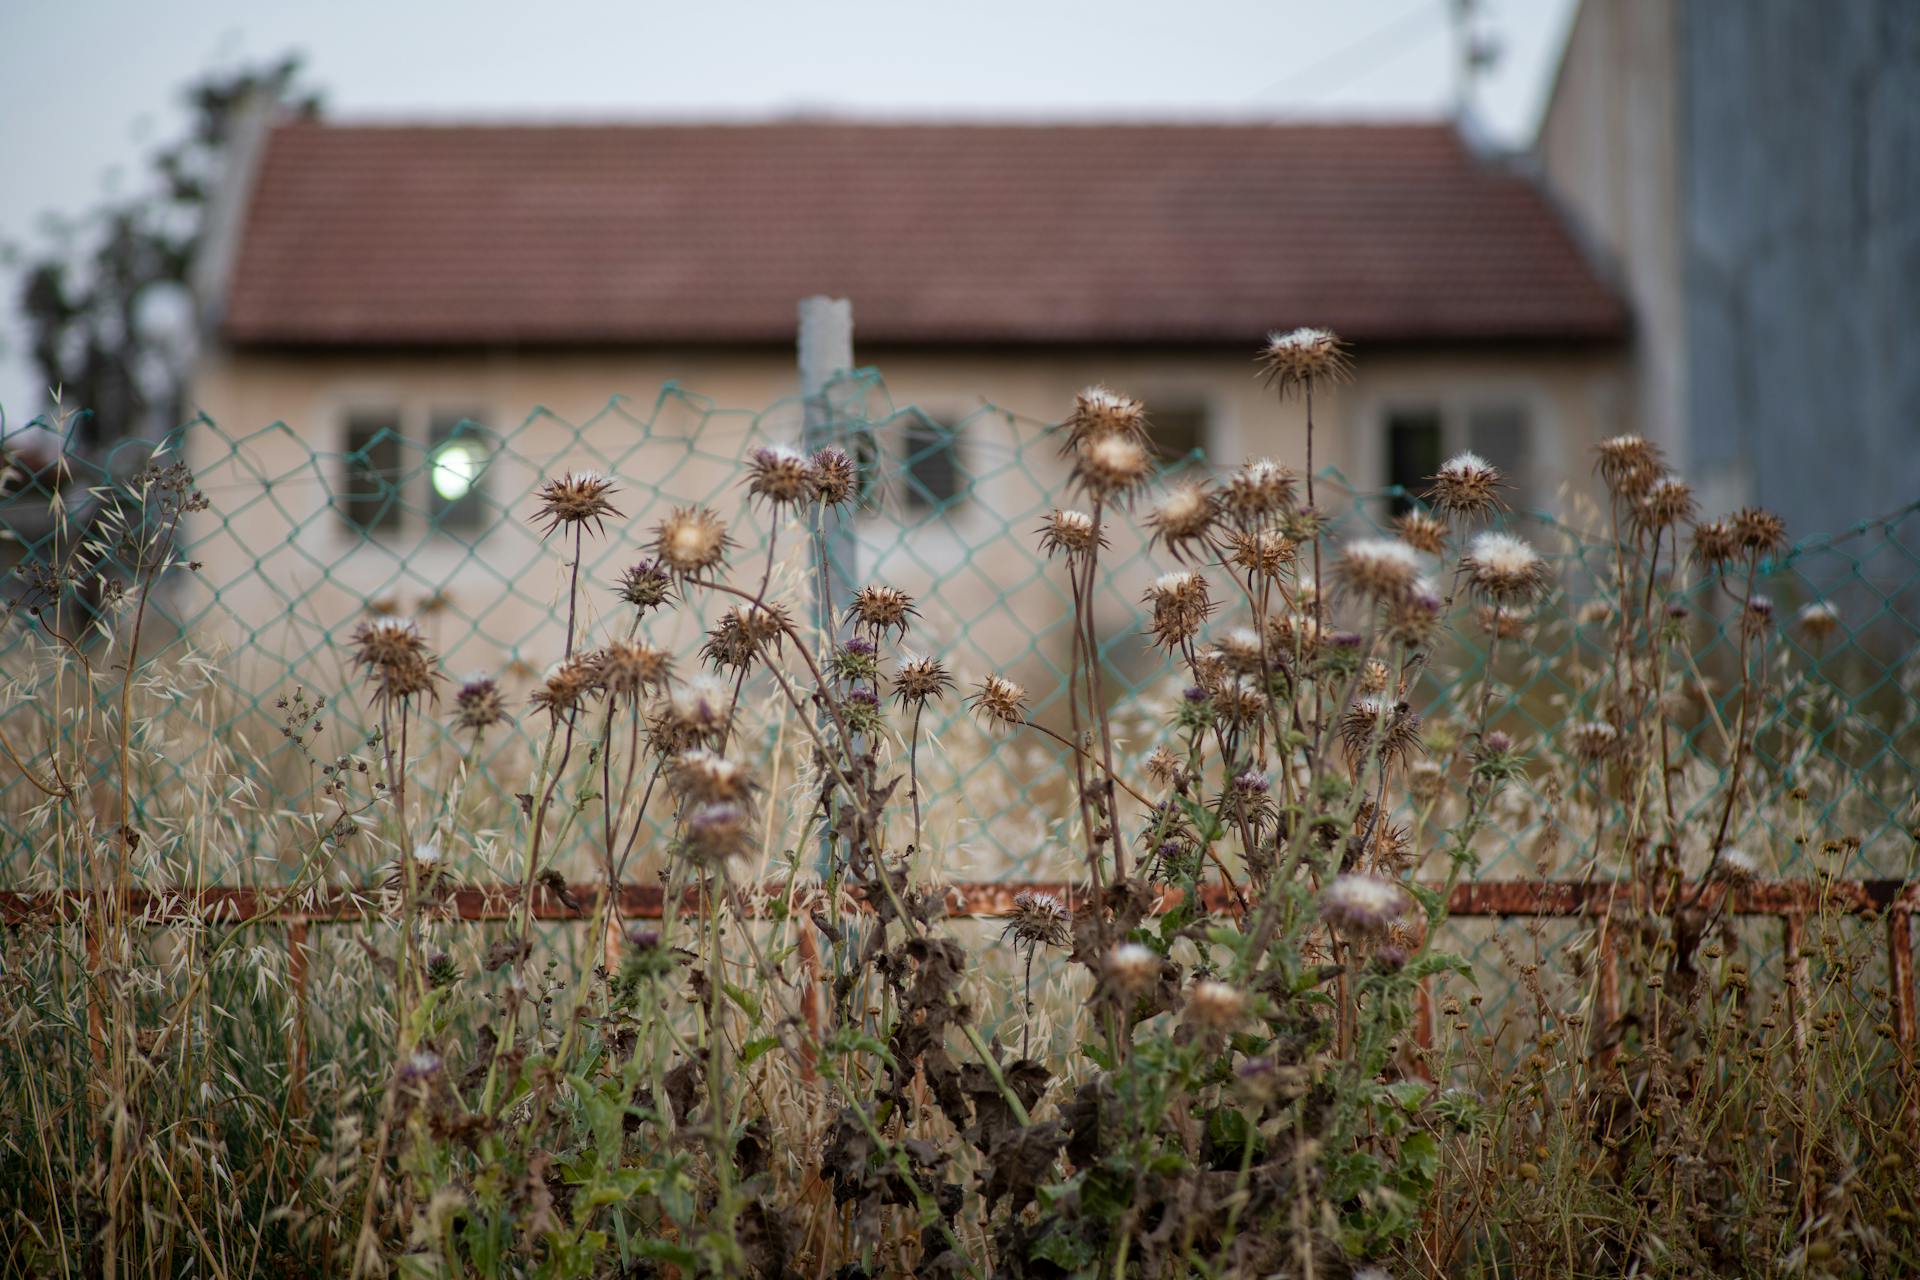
(701, 775)
(1819, 620)
(1759, 531)
(1183, 518)
(623, 668)
(1132, 968)
(1038, 920)
(1421, 532)
(1216, 1005)
(1099, 413)
(1362, 905)
(1592, 740)
(1378, 569)
(1180, 605)
(1000, 701)
(1110, 467)
(836, 477)
(1715, 543)
(579, 498)
(691, 541)
(781, 475)
(879, 610)
(1467, 485)
(1374, 724)
(1257, 491)
(479, 705)
(396, 660)
(1505, 569)
(566, 687)
(646, 585)
(1667, 502)
(712, 834)
(1628, 459)
(1262, 552)
(1069, 532)
(1300, 359)
(920, 680)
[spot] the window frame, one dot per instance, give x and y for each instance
(1455, 406)
(414, 511)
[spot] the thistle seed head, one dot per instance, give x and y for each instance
(1592, 740)
(623, 668)
(1759, 531)
(1505, 569)
(1668, 501)
(782, 476)
(1715, 543)
(578, 498)
(1467, 485)
(1110, 467)
(1374, 724)
(1264, 552)
(1182, 518)
(878, 610)
(1000, 701)
(1819, 620)
(1421, 532)
(1069, 532)
(1099, 412)
(1215, 1005)
(1132, 968)
(712, 834)
(1300, 359)
(1261, 488)
(1378, 569)
(646, 585)
(700, 775)
(479, 705)
(1627, 460)
(1362, 905)
(920, 680)
(1038, 920)
(691, 541)
(395, 659)
(836, 477)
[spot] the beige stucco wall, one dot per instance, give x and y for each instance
(1609, 145)
(288, 574)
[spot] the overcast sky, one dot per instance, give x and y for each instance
(92, 85)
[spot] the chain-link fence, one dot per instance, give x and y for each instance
(305, 539)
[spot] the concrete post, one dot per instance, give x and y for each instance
(826, 352)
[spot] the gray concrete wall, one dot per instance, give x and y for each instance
(1800, 134)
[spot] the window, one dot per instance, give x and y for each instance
(1419, 438)
(930, 471)
(389, 487)
(1415, 451)
(370, 497)
(1179, 434)
(458, 450)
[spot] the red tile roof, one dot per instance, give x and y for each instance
(402, 235)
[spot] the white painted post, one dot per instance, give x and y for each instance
(826, 351)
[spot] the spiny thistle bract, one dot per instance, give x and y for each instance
(1301, 359)
(576, 500)
(691, 541)
(1466, 485)
(1505, 569)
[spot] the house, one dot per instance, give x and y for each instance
(409, 325)
(1750, 173)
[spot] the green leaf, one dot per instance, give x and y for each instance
(1097, 1055)
(1409, 1094)
(748, 1002)
(1439, 962)
(1065, 1251)
(753, 1049)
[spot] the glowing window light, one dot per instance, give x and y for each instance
(456, 468)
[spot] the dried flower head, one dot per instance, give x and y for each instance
(1592, 740)
(1244, 651)
(623, 668)
(782, 475)
(1627, 462)
(1300, 359)
(1240, 700)
(646, 585)
(1110, 467)
(1071, 532)
(1180, 604)
(836, 477)
(1378, 568)
(1099, 412)
(701, 775)
(690, 541)
(1183, 518)
(1715, 543)
(1757, 616)
(920, 680)
(566, 687)
(1215, 1004)
(1759, 531)
(1373, 677)
(1466, 485)
(1264, 552)
(578, 498)
(1000, 701)
(1414, 618)
(878, 610)
(1819, 620)
(396, 660)
(1259, 489)
(1164, 767)
(1505, 569)
(1425, 780)
(479, 705)
(713, 833)
(696, 713)
(1374, 724)
(1038, 920)
(1362, 905)
(1503, 621)
(1668, 501)
(1132, 968)
(1737, 866)
(1421, 532)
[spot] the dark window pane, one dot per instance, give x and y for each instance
(1179, 433)
(1414, 448)
(372, 479)
(932, 476)
(459, 450)
(1500, 434)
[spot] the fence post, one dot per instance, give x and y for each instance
(825, 350)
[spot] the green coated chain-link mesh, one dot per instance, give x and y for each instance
(304, 539)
